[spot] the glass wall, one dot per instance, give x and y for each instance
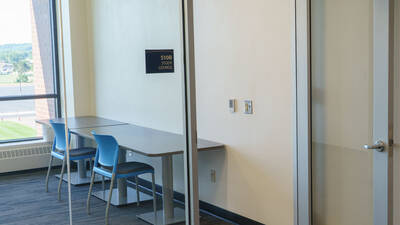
(135, 57)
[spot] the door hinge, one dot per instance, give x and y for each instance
(391, 142)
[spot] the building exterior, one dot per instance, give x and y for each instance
(42, 57)
(6, 68)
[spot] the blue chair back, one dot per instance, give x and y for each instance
(107, 150)
(59, 138)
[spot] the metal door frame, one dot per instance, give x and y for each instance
(383, 111)
(192, 209)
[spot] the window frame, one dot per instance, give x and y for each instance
(56, 78)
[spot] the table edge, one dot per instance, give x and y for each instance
(219, 146)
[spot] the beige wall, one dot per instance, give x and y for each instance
(78, 74)
(243, 52)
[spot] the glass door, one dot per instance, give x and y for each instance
(350, 108)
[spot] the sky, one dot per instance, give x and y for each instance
(15, 22)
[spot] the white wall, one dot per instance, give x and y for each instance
(119, 33)
(242, 51)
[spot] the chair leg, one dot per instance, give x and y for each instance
(90, 193)
(61, 178)
(103, 184)
(153, 184)
(137, 191)
(48, 173)
(109, 196)
(91, 166)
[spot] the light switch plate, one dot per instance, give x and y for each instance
(248, 107)
(232, 105)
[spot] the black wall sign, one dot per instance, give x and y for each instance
(160, 61)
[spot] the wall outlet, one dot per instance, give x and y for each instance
(213, 176)
(248, 107)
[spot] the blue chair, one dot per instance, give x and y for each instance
(58, 151)
(106, 164)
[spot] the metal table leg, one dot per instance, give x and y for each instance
(122, 195)
(82, 176)
(80, 142)
(169, 214)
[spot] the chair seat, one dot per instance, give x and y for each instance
(76, 152)
(130, 167)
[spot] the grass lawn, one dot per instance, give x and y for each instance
(12, 78)
(8, 79)
(13, 130)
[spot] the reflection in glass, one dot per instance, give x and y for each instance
(341, 111)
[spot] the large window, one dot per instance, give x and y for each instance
(28, 68)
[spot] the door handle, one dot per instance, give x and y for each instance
(378, 146)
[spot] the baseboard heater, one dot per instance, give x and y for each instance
(205, 207)
(24, 157)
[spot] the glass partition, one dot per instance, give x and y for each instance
(134, 58)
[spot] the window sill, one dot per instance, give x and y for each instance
(22, 144)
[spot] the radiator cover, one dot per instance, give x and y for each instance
(25, 156)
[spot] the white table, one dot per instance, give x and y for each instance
(151, 143)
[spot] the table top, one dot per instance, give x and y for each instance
(83, 122)
(146, 141)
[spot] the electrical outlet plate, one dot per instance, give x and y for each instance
(248, 107)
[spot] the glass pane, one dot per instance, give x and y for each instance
(138, 90)
(26, 57)
(17, 118)
(342, 82)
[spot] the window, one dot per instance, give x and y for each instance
(29, 84)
